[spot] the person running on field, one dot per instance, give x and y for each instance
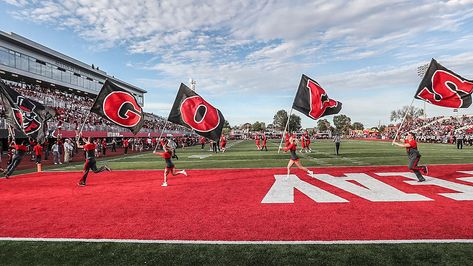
(414, 156)
(90, 163)
(170, 167)
(294, 158)
(20, 151)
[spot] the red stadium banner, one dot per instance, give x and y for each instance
(119, 106)
(192, 111)
(25, 115)
(312, 100)
(441, 86)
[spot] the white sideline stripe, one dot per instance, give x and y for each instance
(217, 242)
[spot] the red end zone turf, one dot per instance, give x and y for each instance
(227, 205)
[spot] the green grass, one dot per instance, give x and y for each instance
(245, 155)
(56, 253)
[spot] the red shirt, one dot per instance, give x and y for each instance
(89, 147)
(38, 150)
(165, 155)
(291, 147)
(125, 143)
(20, 147)
(412, 143)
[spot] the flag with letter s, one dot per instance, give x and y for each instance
(441, 86)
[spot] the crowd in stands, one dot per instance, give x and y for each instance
(440, 129)
(72, 110)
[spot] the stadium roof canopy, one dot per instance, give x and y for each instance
(24, 60)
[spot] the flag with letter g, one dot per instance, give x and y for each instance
(312, 100)
(192, 111)
(119, 106)
(441, 86)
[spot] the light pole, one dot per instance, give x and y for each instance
(192, 82)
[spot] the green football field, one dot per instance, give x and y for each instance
(243, 154)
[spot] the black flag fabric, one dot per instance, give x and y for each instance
(312, 100)
(25, 115)
(119, 106)
(192, 111)
(441, 86)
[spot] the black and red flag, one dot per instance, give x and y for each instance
(441, 86)
(119, 106)
(312, 100)
(192, 111)
(25, 115)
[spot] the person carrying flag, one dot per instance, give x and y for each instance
(20, 151)
(170, 167)
(294, 158)
(90, 163)
(414, 156)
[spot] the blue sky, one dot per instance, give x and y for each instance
(248, 56)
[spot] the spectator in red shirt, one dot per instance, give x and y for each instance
(104, 146)
(125, 145)
(38, 151)
(202, 143)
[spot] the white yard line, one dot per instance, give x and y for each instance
(224, 242)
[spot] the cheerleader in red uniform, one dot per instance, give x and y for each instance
(257, 142)
(223, 143)
(170, 167)
(294, 158)
(307, 142)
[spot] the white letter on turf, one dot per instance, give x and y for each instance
(466, 192)
(370, 188)
(282, 191)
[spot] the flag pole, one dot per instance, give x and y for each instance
(160, 135)
(83, 123)
(421, 71)
(285, 128)
(402, 122)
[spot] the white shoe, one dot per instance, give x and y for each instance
(55, 163)
(310, 172)
(165, 184)
(184, 172)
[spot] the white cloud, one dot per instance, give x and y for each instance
(262, 46)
